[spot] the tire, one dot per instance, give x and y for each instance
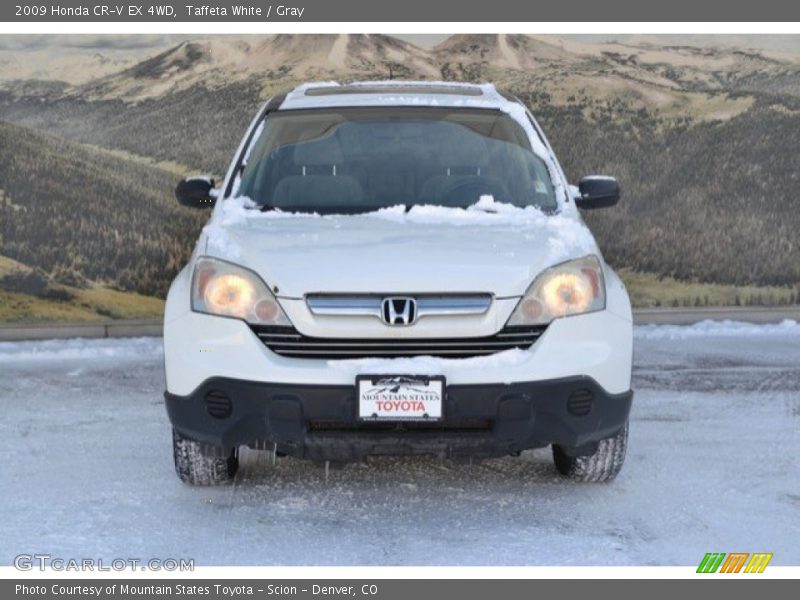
(195, 468)
(604, 465)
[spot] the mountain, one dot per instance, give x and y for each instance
(216, 62)
(704, 68)
(500, 51)
(71, 67)
(676, 81)
(188, 92)
(80, 214)
(313, 56)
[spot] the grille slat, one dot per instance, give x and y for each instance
(294, 336)
(287, 341)
(379, 352)
(398, 344)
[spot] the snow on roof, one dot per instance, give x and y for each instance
(394, 93)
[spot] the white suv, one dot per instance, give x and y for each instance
(397, 268)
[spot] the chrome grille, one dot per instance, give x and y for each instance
(287, 341)
(371, 305)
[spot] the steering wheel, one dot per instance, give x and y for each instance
(464, 192)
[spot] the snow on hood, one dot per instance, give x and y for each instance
(566, 237)
(490, 246)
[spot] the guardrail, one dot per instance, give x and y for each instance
(101, 329)
(153, 327)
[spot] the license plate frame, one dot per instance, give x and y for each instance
(420, 389)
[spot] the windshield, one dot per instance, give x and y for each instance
(351, 160)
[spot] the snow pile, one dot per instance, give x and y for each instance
(238, 211)
(431, 365)
(598, 178)
(229, 213)
(486, 211)
(400, 83)
(709, 328)
(301, 89)
(80, 348)
(566, 237)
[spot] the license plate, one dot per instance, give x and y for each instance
(400, 397)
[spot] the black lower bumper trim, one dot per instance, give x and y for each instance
(319, 421)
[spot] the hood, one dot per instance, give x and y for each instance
(426, 250)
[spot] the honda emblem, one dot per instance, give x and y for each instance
(399, 311)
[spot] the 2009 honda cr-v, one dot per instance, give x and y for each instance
(397, 268)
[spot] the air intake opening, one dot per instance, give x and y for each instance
(579, 403)
(218, 404)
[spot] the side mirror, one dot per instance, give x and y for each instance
(196, 192)
(597, 191)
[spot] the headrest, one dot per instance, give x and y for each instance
(321, 151)
(297, 191)
(459, 147)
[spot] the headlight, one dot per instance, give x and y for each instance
(571, 288)
(224, 289)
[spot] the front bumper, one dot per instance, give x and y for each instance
(196, 347)
(319, 422)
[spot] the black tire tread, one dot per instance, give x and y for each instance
(195, 468)
(604, 465)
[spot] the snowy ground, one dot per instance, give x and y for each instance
(712, 466)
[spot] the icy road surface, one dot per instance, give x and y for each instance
(712, 466)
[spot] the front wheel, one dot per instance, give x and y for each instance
(604, 465)
(195, 467)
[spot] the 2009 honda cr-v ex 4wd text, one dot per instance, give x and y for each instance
(397, 268)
